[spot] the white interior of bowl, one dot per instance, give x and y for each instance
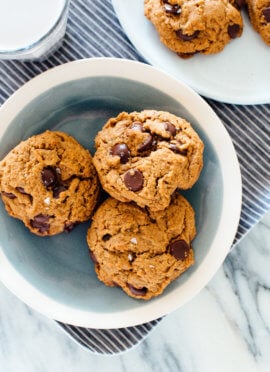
(55, 275)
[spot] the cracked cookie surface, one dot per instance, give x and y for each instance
(194, 26)
(141, 251)
(49, 182)
(145, 156)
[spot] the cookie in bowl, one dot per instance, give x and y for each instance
(145, 156)
(141, 251)
(194, 26)
(49, 182)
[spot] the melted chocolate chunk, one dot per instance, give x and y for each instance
(137, 291)
(121, 150)
(70, 226)
(106, 237)
(147, 144)
(169, 127)
(49, 177)
(233, 30)
(134, 179)
(175, 149)
(172, 8)
(136, 125)
(266, 14)
(185, 37)
(21, 190)
(40, 222)
(179, 249)
(186, 55)
(58, 189)
(9, 195)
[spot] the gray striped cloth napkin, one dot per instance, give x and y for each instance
(93, 30)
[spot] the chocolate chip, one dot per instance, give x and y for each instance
(134, 180)
(185, 37)
(179, 249)
(93, 257)
(69, 226)
(169, 127)
(233, 30)
(106, 237)
(266, 14)
(172, 8)
(186, 55)
(9, 195)
(58, 189)
(136, 125)
(147, 144)
(21, 190)
(137, 291)
(49, 176)
(121, 150)
(176, 149)
(40, 222)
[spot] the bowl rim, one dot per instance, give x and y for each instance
(230, 171)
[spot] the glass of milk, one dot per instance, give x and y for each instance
(31, 29)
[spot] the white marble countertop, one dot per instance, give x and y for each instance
(225, 328)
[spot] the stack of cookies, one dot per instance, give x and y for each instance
(140, 236)
(188, 27)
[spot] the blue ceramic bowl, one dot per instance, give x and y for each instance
(55, 275)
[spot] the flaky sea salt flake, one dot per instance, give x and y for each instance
(47, 201)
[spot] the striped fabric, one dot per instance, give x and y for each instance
(110, 341)
(94, 31)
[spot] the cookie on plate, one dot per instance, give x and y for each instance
(259, 14)
(49, 182)
(194, 26)
(145, 156)
(140, 251)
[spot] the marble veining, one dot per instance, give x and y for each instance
(226, 327)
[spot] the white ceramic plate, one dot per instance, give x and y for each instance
(239, 74)
(54, 274)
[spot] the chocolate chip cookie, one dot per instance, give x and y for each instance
(145, 156)
(194, 26)
(49, 182)
(259, 14)
(141, 251)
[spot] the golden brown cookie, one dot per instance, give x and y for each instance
(145, 156)
(259, 14)
(141, 251)
(49, 182)
(194, 26)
